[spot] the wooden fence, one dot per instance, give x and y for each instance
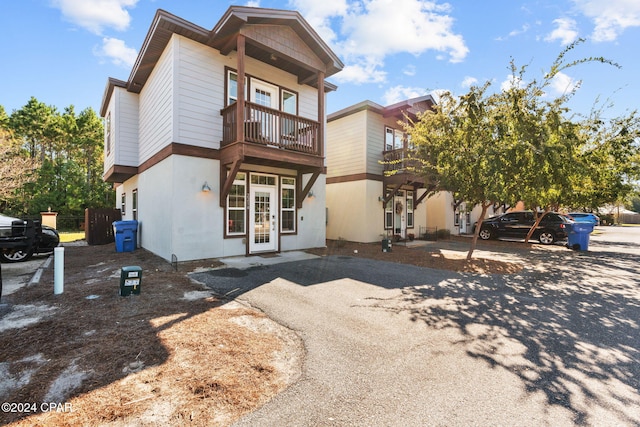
(98, 225)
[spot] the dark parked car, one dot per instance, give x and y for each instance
(554, 226)
(585, 217)
(21, 239)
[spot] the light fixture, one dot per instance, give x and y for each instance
(310, 195)
(205, 187)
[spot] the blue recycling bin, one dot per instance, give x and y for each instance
(578, 236)
(126, 235)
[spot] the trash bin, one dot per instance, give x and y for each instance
(126, 235)
(578, 236)
(130, 280)
(386, 245)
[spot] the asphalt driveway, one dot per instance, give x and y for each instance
(390, 344)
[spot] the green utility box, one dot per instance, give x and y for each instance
(130, 280)
(386, 245)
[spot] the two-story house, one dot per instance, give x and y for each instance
(372, 190)
(216, 141)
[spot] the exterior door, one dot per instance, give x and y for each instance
(265, 95)
(400, 214)
(263, 219)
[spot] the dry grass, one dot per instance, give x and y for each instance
(172, 355)
(431, 257)
(156, 358)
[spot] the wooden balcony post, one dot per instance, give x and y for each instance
(240, 49)
(320, 149)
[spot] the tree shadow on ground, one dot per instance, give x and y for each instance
(567, 327)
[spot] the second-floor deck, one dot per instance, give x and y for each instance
(272, 128)
(402, 163)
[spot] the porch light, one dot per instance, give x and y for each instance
(205, 187)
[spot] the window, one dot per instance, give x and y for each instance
(263, 179)
(409, 209)
(288, 205)
(456, 218)
(123, 203)
(388, 139)
(232, 87)
(289, 102)
(398, 137)
(236, 205)
(134, 204)
(393, 139)
(388, 215)
(107, 129)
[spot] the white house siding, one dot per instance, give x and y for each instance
(354, 211)
(110, 155)
(126, 130)
(123, 108)
(156, 107)
(375, 142)
(199, 94)
(311, 220)
(346, 149)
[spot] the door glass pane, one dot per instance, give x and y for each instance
(262, 217)
(262, 97)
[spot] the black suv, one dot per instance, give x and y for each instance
(554, 226)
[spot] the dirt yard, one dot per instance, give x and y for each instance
(173, 355)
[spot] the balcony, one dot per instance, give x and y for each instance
(271, 128)
(399, 165)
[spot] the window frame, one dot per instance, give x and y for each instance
(134, 204)
(237, 183)
(292, 209)
(410, 209)
(123, 203)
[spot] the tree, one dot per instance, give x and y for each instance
(17, 168)
(507, 146)
(68, 148)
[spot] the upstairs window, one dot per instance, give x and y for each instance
(107, 129)
(393, 139)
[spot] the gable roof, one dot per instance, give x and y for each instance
(307, 57)
(409, 106)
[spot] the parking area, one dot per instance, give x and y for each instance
(392, 344)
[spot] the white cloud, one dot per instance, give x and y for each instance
(611, 17)
(565, 31)
(400, 93)
(563, 84)
(361, 73)
(253, 3)
(511, 82)
(381, 27)
(117, 52)
(468, 81)
(409, 70)
(368, 31)
(96, 15)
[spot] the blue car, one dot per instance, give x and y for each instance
(585, 217)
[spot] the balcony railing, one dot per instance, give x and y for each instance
(400, 161)
(266, 126)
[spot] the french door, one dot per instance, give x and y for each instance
(263, 216)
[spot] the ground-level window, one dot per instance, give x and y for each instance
(409, 209)
(134, 204)
(288, 205)
(456, 218)
(236, 205)
(388, 215)
(123, 203)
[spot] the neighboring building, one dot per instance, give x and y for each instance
(216, 140)
(371, 189)
(458, 217)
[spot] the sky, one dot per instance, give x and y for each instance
(63, 51)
